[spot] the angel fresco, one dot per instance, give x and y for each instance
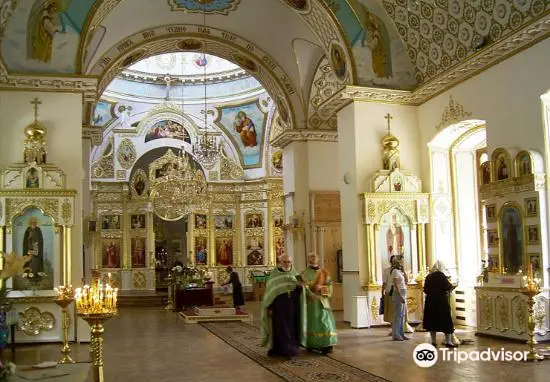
(245, 127)
(44, 23)
(375, 37)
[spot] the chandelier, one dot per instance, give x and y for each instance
(177, 187)
(206, 149)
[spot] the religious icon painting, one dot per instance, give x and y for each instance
(224, 250)
(254, 220)
(511, 238)
(395, 238)
(33, 233)
(189, 44)
(493, 263)
(32, 178)
(534, 262)
(502, 166)
(201, 252)
(278, 221)
(338, 61)
(223, 221)
(201, 221)
(137, 221)
(111, 253)
(277, 160)
(533, 235)
(279, 242)
(523, 162)
(485, 172)
(139, 183)
(531, 207)
(138, 252)
(110, 222)
(490, 212)
(492, 238)
(254, 250)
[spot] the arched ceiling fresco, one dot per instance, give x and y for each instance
(391, 44)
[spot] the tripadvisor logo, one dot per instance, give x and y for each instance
(426, 355)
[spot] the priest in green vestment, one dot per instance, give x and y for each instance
(321, 328)
(283, 311)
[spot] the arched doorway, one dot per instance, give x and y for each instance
(456, 154)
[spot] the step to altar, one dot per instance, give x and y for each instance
(213, 314)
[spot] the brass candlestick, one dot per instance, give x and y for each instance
(96, 321)
(96, 305)
(531, 290)
(64, 301)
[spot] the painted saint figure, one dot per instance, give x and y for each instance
(33, 245)
(511, 246)
(376, 39)
(246, 129)
(32, 179)
(45, 24)
(502, 172)
(394, 238)
(224, 253)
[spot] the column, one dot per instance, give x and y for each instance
(67, 251)
(149, 224)
(211, 239)
(296, 191)
(2, 250)
(87, 210)
(190, 249)
(126, 240)
(237, 234)
(270, 258)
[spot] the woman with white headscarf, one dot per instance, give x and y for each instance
(437, 308)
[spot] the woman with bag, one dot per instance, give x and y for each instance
(399, 298)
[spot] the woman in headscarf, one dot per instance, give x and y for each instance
(437, 308)
(399, 298)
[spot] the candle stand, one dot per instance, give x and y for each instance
(530, 290)
(96, 305)
(64, 298)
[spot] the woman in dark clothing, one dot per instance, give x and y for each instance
(238, 296)
(437, 309)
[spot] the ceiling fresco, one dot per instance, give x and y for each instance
(395, 44)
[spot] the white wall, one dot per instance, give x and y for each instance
(62, 116)
(323, 172)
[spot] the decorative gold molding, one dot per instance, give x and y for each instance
(87, 85)
(295, 135)
(454, 112)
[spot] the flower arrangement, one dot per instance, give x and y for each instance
(34, 279)
(191, 275)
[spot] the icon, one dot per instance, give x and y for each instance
(425, 355)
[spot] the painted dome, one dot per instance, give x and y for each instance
(184, 63)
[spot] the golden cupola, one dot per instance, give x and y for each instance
(35, 139)
(390, 145)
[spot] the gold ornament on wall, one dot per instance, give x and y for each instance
(453, 113)
(126, 153)
(229, 169)
(104, 167)
(139, 280)
(32, 321)
(66, 211)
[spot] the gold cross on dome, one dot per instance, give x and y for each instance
(389, 118)
(35, 102)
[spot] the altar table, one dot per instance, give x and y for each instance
(193, 297)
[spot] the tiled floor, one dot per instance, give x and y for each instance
(152, 345)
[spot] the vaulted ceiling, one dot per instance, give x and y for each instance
(395, 44)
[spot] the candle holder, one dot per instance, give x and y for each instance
(171, 281)
(65, 297)
(530, 290)
(96, 305)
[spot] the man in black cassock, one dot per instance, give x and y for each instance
(283, 311)
(238, 296)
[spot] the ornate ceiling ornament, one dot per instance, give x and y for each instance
(222, 7)
(126, 153)
(454, 112)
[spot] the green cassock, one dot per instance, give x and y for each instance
(321, 327)
(278, 283)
